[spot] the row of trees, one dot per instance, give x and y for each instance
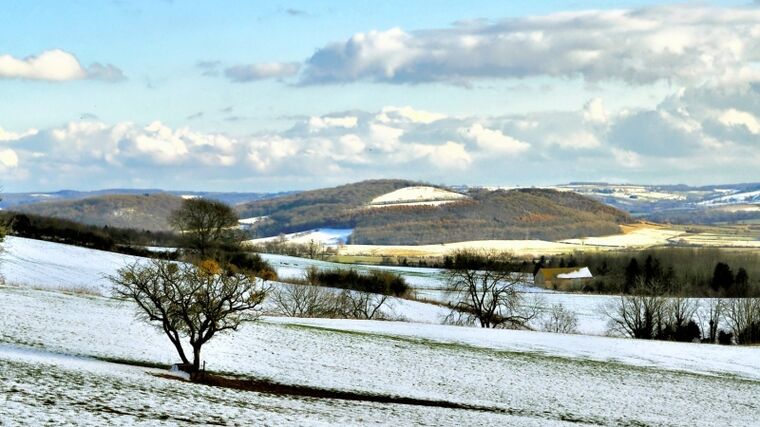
(649, 313)
(691, 272)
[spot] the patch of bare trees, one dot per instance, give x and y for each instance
(309, 299)
(648, 314)
(488, 295)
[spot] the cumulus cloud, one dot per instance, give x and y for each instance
(733, 117)
(319, 123)
(408, 114)
(594, 111)
(699, 134)
(8, 159)
(493, 140)
(55, 66)
(12, 136)
(684, 43)
(255, 72)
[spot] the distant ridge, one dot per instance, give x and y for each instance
(527, 213)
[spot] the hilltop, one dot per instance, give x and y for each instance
(391, 212)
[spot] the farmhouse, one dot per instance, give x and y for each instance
(563, 278)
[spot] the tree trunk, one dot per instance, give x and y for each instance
(196, 358)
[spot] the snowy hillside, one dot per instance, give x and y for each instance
(53, 265)
(416, 196)
(616, 381)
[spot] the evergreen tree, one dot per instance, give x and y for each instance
(723, 278)
(632, 272)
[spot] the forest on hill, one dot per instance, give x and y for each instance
(135, 211)
(485, 215)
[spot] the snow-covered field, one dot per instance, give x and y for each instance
(529, 378)
(636, 237)
(416, 194)
(48, 340)
(323, 236)
(53, 265)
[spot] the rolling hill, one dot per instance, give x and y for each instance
(378, 218)
(139, 211)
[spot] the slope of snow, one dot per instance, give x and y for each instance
(532, 378)
(53, 265)
(324, 236)
(416, 194)
(745, 197)
(252, 220)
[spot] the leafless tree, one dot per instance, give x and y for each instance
(710, 317)
(304, 301)
(743, 315)
(188, 301)
(679, 311)
(361, 305)
(489, 295)
(638, 315)
(204, 224)
(560, 320)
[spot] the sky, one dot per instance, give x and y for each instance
(286, 95)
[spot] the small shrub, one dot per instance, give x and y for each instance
(725, 338)
(560, 320)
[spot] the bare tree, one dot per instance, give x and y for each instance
(361, 305)
(188, 301)
(679, 311)
(204, 224)
(638, 315)
(710, 317)
(560, 320)
(304, 301)
(743, 315)
(488, 295)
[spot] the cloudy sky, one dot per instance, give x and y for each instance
(270, 95)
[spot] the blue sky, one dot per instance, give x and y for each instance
(264, 96)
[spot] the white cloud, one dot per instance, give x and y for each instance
(254, 72)
(493, 140)
(594, 111)
(733, 117)
(626, 158)
(641, 46)
(319, 123)
(450, 155)
(574, 140)
(408, 114)
(8, 159)
(56, 66)
(12, 136)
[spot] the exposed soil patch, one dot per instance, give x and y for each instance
(270, 387)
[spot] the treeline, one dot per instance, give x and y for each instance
(694, 272)
(280, 246)
(130, 211)
(702, 216)
(122, 240)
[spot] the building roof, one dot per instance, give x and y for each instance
(566, 273)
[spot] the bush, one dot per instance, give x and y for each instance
(376, 281)
(560, 320)
(725, 338)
